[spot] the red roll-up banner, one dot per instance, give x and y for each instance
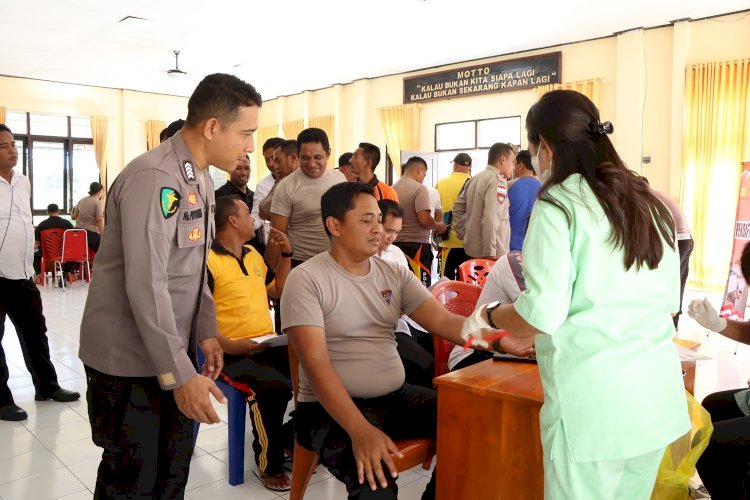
(735, 294)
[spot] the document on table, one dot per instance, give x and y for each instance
(688, 355)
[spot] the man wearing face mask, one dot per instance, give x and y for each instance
(481, 212)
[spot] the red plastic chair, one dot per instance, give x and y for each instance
(75, 248)
(459, 298)
(475, 271)
(414, 451)
(51, 241)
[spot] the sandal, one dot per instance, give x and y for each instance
(268, 479)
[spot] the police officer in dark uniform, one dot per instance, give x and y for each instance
(149, 306)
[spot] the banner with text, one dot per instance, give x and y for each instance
(735, 294)
(501, 76)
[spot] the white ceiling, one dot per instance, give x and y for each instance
(287, 46)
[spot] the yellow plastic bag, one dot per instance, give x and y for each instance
(678, 464)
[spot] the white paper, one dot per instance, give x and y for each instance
(272, 340)
(688, 355)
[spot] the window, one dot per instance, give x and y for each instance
(474, 138)
(57, 154)
(218, 176)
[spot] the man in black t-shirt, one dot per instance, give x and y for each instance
(53, 221)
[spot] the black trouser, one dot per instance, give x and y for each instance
(420, 258)
(21, 301)
(419, 364)
(685, 248)
(93, 239)
(266, 374)
(410, 412)
(147, 440)
(723, 467)
(454, 257)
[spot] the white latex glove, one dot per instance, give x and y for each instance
(477, 328)
(706, 316)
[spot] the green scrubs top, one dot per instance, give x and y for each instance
(610, 371)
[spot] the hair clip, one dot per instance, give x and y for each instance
(598, 129)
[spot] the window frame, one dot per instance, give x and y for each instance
(68, 166)
(476, 132)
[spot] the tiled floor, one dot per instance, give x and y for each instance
(51, 454)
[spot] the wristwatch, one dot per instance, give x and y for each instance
(287, 254)
(491, 307)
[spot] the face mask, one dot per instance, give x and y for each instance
(535, 162)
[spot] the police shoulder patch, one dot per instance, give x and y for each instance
(169, 201)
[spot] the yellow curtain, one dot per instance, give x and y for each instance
(590, 88)
(401, 127)
(153, 129)
(263, 134)
(99, 135)
(326, 124)
(293, 128)
(716, 101)
(2, 115)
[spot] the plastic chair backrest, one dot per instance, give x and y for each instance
(459, 298)
(475, 271)
(51, 241)
(75, 247)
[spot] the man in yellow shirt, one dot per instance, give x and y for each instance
(451, 254)
(241, 285)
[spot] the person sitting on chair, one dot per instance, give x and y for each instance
(241, 285)
(53, 221)
(339, 310)
(413, 343)
(504, 284)
(723, 465)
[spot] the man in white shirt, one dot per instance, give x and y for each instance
(264, 187)
(19, 297)
(414, 344)
(505, 283)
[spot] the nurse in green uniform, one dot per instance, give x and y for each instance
(602, 281)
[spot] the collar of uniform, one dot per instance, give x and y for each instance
(185, 159)
(235, 189)
(374, 181)
(219, 249)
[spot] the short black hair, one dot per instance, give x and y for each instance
(390, 207)
(524, 158)
(272, 143)
(4, 128)
(345, 159)
(220, 96)
(52, 208)
(339, 199)
(313, 135)
(371, 152)
(288, 147)
(498, 150)
(95, 187)
(413, 161)
(225, 208)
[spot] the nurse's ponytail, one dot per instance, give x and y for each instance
(570, 124)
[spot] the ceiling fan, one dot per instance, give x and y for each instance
(176, 73)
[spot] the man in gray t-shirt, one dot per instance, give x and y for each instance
(340, 309)
(414, 239)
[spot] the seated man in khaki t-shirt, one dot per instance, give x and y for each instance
(339, 310)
